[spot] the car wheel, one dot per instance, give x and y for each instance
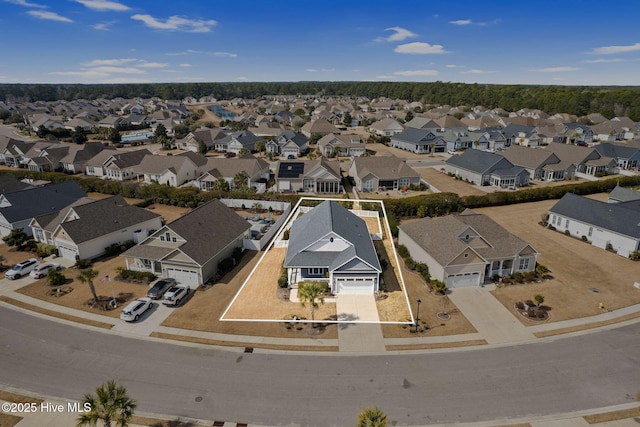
(17, 276)
(137, 317)
(58, 268)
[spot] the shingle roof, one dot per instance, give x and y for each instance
(623, 217)
(384, 167)
(104, 216)
(328, 217)
(208, 229)
(9, 183)
(33, 202)
(439, 236)
(478, 161)
(622, 194)
(529, 157)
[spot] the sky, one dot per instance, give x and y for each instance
(572, 42)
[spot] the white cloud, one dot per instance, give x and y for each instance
(225, 54)
(86, 73)
(311, 70)
(153, 65)
(419, 48)
(398, 35)
(184, 65)
(104, 5)
(184, 52)
(49, 16)
(461, 22)
(176, 23)
(103, 26)
(114, 62)
(604, 61)
(555, 69)
(454, 66)
(123, 80)
(413, 73)
(242, 78)
(383, 77)
(200, 52)
(609, 50)
(476, 71)
(470, 22)
(118, 70)
(25, 3)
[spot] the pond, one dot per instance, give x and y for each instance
(219, 111)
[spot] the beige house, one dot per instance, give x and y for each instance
(382, 173)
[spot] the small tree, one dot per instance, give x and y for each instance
(311, 293)
(55, 278)
(202, 148)
(114, 136)
(346, 119)
(241, 180)
(220, 184)
(372, 417)
(86, 276)
(243, 152)
(259, 146)
(539, 299)
(16, 237)
(78, 136)
(110, 403)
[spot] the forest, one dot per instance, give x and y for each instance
(579, 100)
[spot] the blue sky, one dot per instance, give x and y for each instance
(505, 42)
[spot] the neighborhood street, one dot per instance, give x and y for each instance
(587, 371)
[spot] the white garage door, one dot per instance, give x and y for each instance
(284, 185)
(356, 286)
(185, 277)
(67, 253)
(462, 280)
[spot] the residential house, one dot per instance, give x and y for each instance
(623, 194)
(311, 176)
(170, 170)
(611, 226)
(9, 184)
(586, 160)
(288, 144)
(462, 139)
(382, 173)
(341, 145)
(18, 208)
(467, 249)
(521, 135)
(541, 164)
(626, 156)
(318, 128)
(420, 141)
(118, 166)
(190, 248)
(257, 171)
(485, 168)
(236, 141)
(386, 127)
(332, 245)
(77, 156)
(113, 122)
(87, 227)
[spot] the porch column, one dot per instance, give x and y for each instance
(501, 266)
(126, 261)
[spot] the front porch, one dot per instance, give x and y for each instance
(498, 267)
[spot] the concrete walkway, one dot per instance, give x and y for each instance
(365, 336)
(490, 318)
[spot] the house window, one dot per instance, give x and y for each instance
(403, 182)
(590, 231)
(167, 236)
(466, 255)
(173, 239)
(162, 238)
(524, 264)
(368, 185)
(316, 271)
(566, 223)
(90, 169)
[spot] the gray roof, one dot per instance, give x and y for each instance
(623, 194)
(37, 201)
(330, 217)
(622, 218)
(104, 216)
(532, 158)
(439, 237)
(479, 161)
(384, 167)
(9, 183)
(606, 149)
(208, 229)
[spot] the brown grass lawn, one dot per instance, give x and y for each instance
(583, 276)
(202, 312)
(169, 213)
(81, 296)
(447, 184)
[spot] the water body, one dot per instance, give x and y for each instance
(219, 111)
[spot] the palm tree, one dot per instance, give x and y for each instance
(86, 276)
(372, 417)
(311, 293)
(109, 404)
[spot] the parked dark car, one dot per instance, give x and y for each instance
(158, 289)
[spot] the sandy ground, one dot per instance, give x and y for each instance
(447, 184)
(583, 276)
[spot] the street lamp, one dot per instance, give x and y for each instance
(418, 315)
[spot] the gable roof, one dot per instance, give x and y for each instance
(208, 229)
(297, 169)
(439, 237)
(384, 167)
(330, 217)
(9, 183)
(622, 218)
(529, 157)
(36, 201)
(623, 194)
(101, 217)
(479, 161)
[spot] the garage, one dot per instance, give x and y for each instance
(356, 285)
(463, 280)
(183, 276)
(67, 253)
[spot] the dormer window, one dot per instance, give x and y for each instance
(466, 255)
(168, 236)
(466, 237)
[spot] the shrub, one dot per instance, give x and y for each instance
(403, 251)
(55, 278)
(410, 263)
(567, 233)
(285, 235)
(81, 264)
(634, 256)
(226, 265)
(584, 238)
(118, 248)
(283, 280)
(143, 276)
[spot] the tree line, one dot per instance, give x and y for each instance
(610, 101)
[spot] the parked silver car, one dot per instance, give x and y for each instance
(175, 295)
(22, 269)
(134, 310)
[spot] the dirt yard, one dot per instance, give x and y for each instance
(447, 184)
(583, 276)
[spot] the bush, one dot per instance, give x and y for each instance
(118, 248)
(55, 278)
(81, 264)
(584, 238)
(634, 256)
(403, 251)
(142, 276)
(226, 265)
(283, 280)
(567, 233)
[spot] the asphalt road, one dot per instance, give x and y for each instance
(549, 377)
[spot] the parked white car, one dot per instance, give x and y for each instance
(175, 295)
(22, 269)
(43, 269)
(134, 310)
